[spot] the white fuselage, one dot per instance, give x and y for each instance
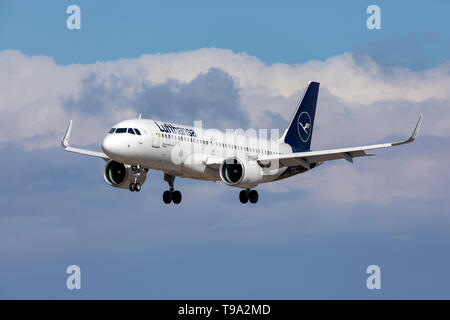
(185, 151)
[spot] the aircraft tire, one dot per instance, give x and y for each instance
(243, 196)
(167, 197)
(253, 196)
(176, 197)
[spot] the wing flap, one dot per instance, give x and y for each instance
(315, 157)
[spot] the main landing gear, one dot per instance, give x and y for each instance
(171, 194)
(247, 194)
(137, 171)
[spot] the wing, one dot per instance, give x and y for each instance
(304, 159)
(66, 145)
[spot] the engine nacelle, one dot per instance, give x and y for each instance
(242, 174)
(119, 175)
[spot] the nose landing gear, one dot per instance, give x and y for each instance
(246, 195)
(171, 194)
(135, 187)
(137, 172)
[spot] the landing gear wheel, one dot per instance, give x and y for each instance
(167, 197)
(176, 197)
(132, 187)
(171, 195)
(137, 187)
(253, 196)
(243, 196)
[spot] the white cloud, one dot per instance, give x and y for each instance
(34, 89)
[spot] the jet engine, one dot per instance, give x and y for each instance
(121, 175)
(242, 174)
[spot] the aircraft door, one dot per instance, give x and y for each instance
(156, 139)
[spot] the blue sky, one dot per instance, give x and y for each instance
(311, 236)
(286, 31)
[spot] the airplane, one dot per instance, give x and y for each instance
(132, 147)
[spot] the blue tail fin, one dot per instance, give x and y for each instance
(299, 132)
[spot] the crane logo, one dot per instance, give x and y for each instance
(304, 126)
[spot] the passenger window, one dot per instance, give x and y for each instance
(112, 130)
(137, 132)
(130, 130)
(121, 130)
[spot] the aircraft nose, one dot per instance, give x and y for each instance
(109, 145)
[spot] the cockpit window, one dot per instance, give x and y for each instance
(125, 130)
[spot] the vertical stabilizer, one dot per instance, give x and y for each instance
(299, 132)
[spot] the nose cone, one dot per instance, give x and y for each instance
(109, 146)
